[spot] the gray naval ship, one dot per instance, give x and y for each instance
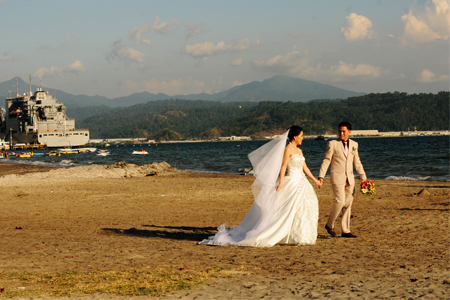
(39, 119)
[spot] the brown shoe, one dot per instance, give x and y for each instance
(330, 230)
(348, 235)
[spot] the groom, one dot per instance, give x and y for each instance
(342, 154)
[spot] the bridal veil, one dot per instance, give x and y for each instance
(266, 162)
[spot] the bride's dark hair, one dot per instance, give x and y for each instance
(294, 131)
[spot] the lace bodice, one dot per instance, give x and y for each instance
(295, 165)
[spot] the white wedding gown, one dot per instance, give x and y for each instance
(294, 223)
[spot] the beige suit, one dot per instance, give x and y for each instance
(342, 179)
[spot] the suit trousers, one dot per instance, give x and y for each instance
(343, 199)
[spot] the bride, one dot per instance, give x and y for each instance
(285, 211)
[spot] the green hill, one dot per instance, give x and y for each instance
(210, 119)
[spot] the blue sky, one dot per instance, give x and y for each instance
(115, 48)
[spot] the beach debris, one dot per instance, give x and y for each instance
(423, 192)
(185, 267)
(18, 227)
(246, 171)
(21, 195)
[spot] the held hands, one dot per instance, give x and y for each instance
(320, 183)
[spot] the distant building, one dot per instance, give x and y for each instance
(234, 138)
(96, 141)
(364, 133)
(271, 137)
(391, 133)
(100, 141)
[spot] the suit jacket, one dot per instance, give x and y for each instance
(341, 166)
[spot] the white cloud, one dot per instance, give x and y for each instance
(171, 87)
(162, 27)
(294, 62)
(297, 63)
(427, 24)
(7, 58)
(126, 54)
(343, 70)
(429, 77)
(237, 83)
(237, 62)
(193, 30)
(417, 31)
(206, 49)
(135, 34)
(358, 28)
(76, 67)
(217, 81)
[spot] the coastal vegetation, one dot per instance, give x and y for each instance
(202, 119)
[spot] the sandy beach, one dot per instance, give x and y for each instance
(125, 216)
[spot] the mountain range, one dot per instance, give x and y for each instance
(277, 88)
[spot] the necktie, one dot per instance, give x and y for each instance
(346, 148)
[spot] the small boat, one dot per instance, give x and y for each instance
(53, 153)
(246, 171)
(79, 150)
(102, 152)
(67, 151)
(87, 150)
(23, 155)
(37, 153)
(140, 152)
(321, 138)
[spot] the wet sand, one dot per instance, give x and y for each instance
(20, 169)
(71, 220)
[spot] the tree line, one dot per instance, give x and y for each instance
(200, 119)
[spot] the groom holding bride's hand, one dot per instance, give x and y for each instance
(342, 154)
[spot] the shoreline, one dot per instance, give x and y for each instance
(10, 168)
(309, 137)
(83, 224)
(21, 167)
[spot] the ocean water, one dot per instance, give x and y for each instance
(399, 158)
